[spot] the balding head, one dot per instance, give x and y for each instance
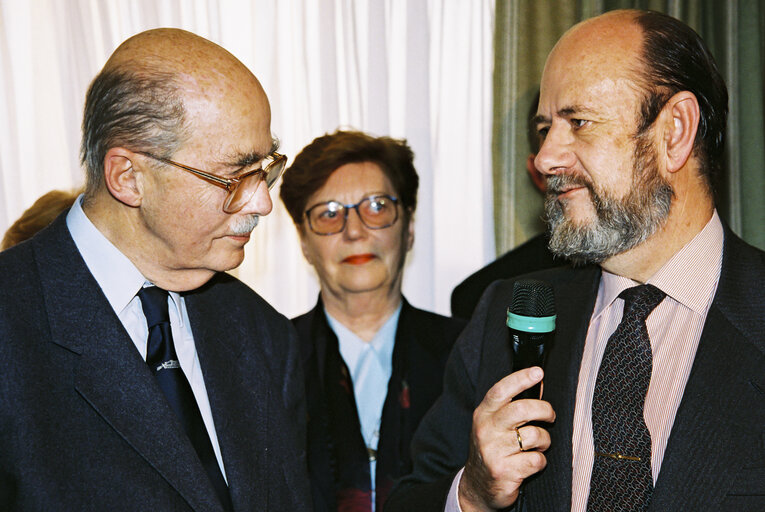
(663, 56)
(150, 90)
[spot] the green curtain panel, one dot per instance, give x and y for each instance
(525, 32)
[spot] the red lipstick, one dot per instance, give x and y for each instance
(359, 259)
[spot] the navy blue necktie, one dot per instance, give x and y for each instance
(163, 362)
(621, 472)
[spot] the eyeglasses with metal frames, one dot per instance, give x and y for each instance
(240, 188)
(377, 211)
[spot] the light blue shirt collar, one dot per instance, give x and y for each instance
(118, 278)
(351, 346)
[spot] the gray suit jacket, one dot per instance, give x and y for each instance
(715, 458)
(83, 424)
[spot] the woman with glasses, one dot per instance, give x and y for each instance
(373, 363)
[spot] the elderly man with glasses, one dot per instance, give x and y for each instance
(136, 374)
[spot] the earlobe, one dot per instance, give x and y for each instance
(121, 178)
(683, 108)
(304, 246)
(410, 233)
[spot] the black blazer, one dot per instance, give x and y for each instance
(715, 458)
(528, 257)
(422, 345)
(83, 423)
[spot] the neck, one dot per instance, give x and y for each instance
(690, 212)
(363, 313)
(120, 224)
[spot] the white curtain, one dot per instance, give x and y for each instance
(417, 69)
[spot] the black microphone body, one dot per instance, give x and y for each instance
(531, 322)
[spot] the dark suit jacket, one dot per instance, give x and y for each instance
(715, 458)
(422, 345)
(83, 423)
(528, 257)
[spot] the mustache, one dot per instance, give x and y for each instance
(559, 183)
(244, 225)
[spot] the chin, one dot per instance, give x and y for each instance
(363, 285)
(227, 262)
(580, 216)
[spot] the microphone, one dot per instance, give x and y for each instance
(531, 322)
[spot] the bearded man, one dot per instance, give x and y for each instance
(654, 389)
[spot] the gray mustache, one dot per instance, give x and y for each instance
(245, 225)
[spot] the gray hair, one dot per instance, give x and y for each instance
(141, 111)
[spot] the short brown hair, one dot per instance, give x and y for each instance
(37, 216)
(318, 160)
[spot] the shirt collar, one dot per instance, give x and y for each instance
(118, 278)
(690, 277)
(351, 346)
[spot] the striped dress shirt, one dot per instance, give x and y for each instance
(690, 280)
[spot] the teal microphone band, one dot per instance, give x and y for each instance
(541, 324)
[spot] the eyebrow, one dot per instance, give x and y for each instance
(252, 157)
(564, 112)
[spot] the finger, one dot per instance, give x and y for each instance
(511, 475)
(520, 412)
(531, 437)
(507, 388)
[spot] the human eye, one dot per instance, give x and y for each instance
(328, 211)
(578, 123)
(378, 204)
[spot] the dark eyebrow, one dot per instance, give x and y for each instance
(564, 112)
(247, 159)
(575, 110)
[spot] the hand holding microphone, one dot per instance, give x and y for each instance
(507, 443)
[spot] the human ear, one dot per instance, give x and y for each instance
(303, 245)
(410, 232)
(682, 115)
(537, 178)
(121, 178)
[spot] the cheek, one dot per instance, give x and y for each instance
(610, 172)
(320, 253)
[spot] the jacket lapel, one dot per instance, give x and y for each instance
(720, 420)
(313, 332)
(238, 388)
(111, 376)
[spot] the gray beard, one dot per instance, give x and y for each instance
(621, 224)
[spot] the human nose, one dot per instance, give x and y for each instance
(354, 227)
(260, 203)
(555, 155)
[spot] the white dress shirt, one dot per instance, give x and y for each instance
(120, 281)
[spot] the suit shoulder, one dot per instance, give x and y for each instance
(435, 319)
(20, 275)
(224, 291)
(435, 332)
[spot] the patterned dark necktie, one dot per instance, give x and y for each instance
(163, 362)
(621, 472)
